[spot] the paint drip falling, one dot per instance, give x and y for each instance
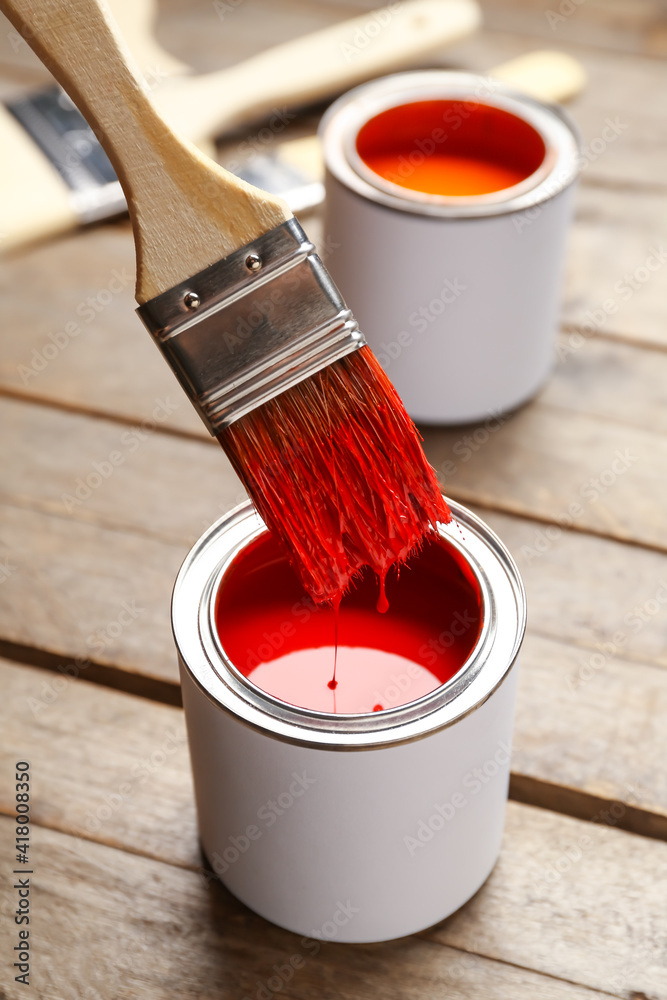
(333, 683)
(382, 606)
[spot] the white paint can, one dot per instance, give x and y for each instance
(350, 827)
(457, 293)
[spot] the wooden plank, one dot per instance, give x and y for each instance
(57, 347)
(609, 289)
(561, 890)
(573, 471)
(78, 341)
(590, 591)
(132, 790)
(111, 923)
(618, 25)
(578, 714)
(609, 380)
(593, 474)
(88, 595)
(572, 755)
(136, 478)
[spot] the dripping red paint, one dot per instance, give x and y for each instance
(336, 469)
(286, 644)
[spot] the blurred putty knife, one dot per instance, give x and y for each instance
(295, 169)
(54, 175)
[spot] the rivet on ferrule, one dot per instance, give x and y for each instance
(243, 338)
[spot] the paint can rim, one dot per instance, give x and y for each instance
(342, 122)
(203, 656)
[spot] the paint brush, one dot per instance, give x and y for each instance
(54, 174)
(246, 315)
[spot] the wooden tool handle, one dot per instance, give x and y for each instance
(544, 74)
(186, 211)
(315, 65)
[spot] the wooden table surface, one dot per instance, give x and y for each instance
(577, 905)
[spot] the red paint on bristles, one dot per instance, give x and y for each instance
(336, 469)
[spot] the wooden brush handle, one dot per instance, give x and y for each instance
(316, 65)
(186, 211)
(544, 74)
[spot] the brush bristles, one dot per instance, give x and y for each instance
(336, 469)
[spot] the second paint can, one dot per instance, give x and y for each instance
(457, 293)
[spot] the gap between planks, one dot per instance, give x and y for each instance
(566, 329)
(103, 674)
(506, 507)
(523, 25)
(508, 511)
(204, 934)
(461, 495)
(526, 789)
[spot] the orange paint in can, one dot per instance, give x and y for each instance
(450, 148)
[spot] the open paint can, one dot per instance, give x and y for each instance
(371, 809)
(448, 201)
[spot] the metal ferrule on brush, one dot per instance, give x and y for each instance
(251, 326)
